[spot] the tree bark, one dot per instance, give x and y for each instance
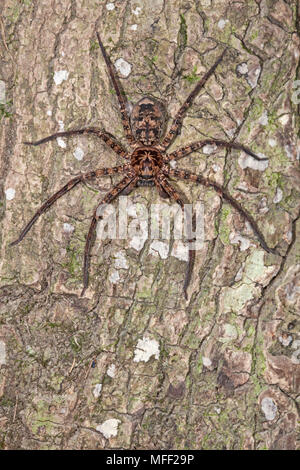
(132, 364)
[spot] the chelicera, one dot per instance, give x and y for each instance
(147, 164)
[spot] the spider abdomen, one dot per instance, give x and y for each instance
(148, 119)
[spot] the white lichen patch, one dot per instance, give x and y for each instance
(206, 361)
(173, 164)
(123, 67)
(278, 196)
(237, 238)
(61, 126)
(269, 408)
(284, 119)
(272, 142)
(246, 161)
(222, 23)
(2, 92)
(110, 6)
(263, 120)
(78, 153)
(242, 68)
(114, 277)
(97, 390)
(289, 151)
(180, 250)
(121, 261)
(137, 242)
(109, 428)
(255, 269)
(136, 11)
(60, 76)
(285, 340)
(49, 112)
(61, 143)
(68, 228)
(209, 149)
(158, 248)
(133, 27)
(2, 353)
(111, 371)
(145, 349)
(295, 358)
(229, 333)
(10, 194)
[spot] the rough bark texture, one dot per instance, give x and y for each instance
(219, 371)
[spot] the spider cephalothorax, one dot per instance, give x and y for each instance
(147, 164)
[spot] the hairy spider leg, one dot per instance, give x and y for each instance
(108, 138)
(173, 194)
(184, 151)
(67, 187)
(120, 94)
(188, 176)
(128, 181)
(177, 122)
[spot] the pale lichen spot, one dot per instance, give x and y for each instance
(284, 119)
(145, 349)
(206, 361)
(269, 408)
(137, 242)
(61, 143)
(222, 23)
(289, 151)
(242, 68)
(2, 353)
(173, 164)
(10, 194)
(263, 120)
(68, 228)
(158, 248)
(236, 238)
(120, 261)
(272, 142)
(109, 428)
(180, 250)
(285, 340)
(278, 196)
(136, 11)
(114, 277)
(111, 371)
(2, 92)
(229, 333)
(60, 76)
(246, 161)
(133, 27)
(123, 67)
(209, 149)
(97, 390)
(110, 6)
(49, 112)
(61, 126)
(78, 153)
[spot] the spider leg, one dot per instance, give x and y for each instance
(67, 187)
(126, 182)
(184, 151)
(173, 194)
(186, 175)
(108, 138)
(120, 93)
(177, 122)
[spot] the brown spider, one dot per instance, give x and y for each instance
(147, 163)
